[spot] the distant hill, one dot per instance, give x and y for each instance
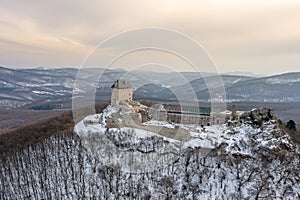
(239, 73)
(44, 88)
(278, 88)
(154, 92)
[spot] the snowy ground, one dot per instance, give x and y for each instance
(135, 149)
(200, 137)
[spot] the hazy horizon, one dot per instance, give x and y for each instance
(149, 70)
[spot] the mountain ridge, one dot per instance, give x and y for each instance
(23, 88)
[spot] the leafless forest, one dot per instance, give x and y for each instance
(15, 118)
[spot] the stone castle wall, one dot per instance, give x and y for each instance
(188, 119)
(119, 95)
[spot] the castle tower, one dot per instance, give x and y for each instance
(121, 91)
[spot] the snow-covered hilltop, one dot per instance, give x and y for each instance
(248, 159)
(131, 147)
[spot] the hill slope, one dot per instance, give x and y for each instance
(250, 162)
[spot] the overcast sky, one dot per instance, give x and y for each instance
(254, 36)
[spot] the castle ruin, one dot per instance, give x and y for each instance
(121, 92)
(132, 112)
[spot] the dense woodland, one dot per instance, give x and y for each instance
(15, 118)
(30, 134)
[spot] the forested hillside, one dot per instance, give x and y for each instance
(251, 162)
